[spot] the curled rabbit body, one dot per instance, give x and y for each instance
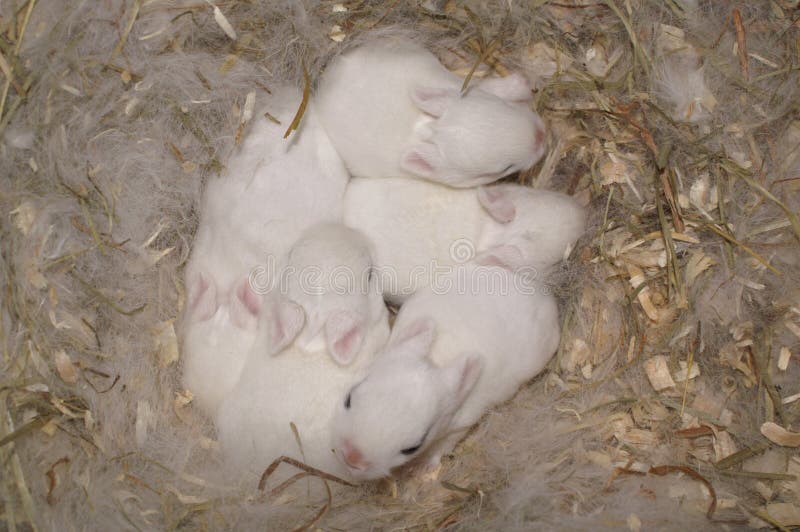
(273, 190)
(419, 227)
(392, 109)
(453, 353)
(289, 381)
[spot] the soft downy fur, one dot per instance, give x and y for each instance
(419, 227)
(407, 117)
(273, 190)
(679, 77)
(442, 368)
(288, 384)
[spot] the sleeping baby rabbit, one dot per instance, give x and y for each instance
(454, 352)
(274, 189)
(330, 275)
(392, 109)
(417, 225)
(282, 385)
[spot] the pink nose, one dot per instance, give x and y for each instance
(353, 457)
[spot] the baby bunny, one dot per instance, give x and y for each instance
(453, 353)
(219, 330)
(392, 109)
(280, 386)
(273, 191)
(330, 275)
(417, 226)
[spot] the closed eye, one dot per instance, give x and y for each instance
(349, 397)
(507, 168)
(411, 450)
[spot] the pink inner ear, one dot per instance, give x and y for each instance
(415, 163)
(196, 290)
(246, 306)
(507, 256)
(279, 335)
(497, 204)
(278, 332)
(418, 327)
(460, 376)
(514, 88)
(202, 298)
(251, 301)
(490, 260)
(469, 374)
(491, 194)
(344, 331)
(284, 320)
(432, 101)
(345, 346)
(416, 338)
(493, 260)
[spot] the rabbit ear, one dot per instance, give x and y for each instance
(497, 203)
(282, 320)
(415, 339)
(201, 297)
(423, 160)
(245, 306)
(431, 100)
(513, 88)
(344, 334)
(460, 376)
(505, 256)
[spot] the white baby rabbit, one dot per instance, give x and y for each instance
(219, 328)
(274, 189)
(280, 386)
(418, 226)
(330, 275)
(392, 109)
(453, 353)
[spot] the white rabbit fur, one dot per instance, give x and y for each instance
(452, 354)
(273, 190)
(417, 225)
(392, 109)
(294, 385)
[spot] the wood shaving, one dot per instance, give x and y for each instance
(223, 22)
(783, 358)
(66, 369)
(658, 373)
(337, 34)
(724, 445)
(24, 216)
(165, 342)
(777, 434)
(785, 513)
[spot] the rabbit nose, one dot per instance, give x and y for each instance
(353, 457)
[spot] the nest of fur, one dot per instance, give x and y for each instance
(673, 399)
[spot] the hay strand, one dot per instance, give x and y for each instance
(303, 103)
